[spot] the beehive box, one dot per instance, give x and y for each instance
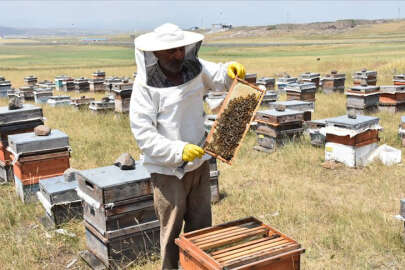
(4, 87)
(351, 156)
(60, 200)
(122, 99)
(362, 101)
(57, 101)
(301, 91)
(392, 98)
(99, 75)
(102, 106)
(365, 77)
(30, 80)
(46, 84)
(108, 83)
(82, 85)
(59, 81)
(82, 102)
(399, 79)
(124, 215)
(241, 244)
(41, 95)
(111, 184)
(317, 137)
(333, 82)
(251, 78)
(27, 92)
(308, 107)
(280, 131)
(6, 172)
(118, 251)
(269, 98)
(278, 117)
(39, 157)
(122, 85)
(233, 121)
(311, 77)
(26, 190)
(266, 83)
(282, 82)
(68, 85)
(96, 85)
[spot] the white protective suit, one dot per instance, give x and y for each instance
(164, 120)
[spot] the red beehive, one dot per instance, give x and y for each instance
(242, 244)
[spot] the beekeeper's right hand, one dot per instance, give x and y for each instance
(192, 151)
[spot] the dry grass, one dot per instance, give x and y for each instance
(343, 217)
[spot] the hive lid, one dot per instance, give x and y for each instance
(365, 88)
(265, 80)
(57, 184)
(361, 121)
(112, 176)
(274, 112)
(310, 75)
(28, 142)
(57, 98)
(300, 86)
(391, 89)
(287, 79)
(26, 113)
(293, 103)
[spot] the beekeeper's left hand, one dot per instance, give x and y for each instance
(236, 69)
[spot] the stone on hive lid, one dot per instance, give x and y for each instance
(352, 115)
(125, 162)
(70, 175)
(42, 130)
(15, 103)
(280, 108)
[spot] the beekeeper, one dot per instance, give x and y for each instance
(167, 116)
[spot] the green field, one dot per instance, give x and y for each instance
(343, 217)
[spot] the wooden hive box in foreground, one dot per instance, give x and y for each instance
(120, 221)
(37, 157)
(241, 244)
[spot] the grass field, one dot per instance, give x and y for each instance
(343, 217)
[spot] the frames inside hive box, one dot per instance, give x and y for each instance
(233, 120)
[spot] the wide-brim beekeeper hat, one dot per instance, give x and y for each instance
(165, 37)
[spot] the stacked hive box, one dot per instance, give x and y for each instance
(46, 84)
(108, 83)
(81, 102)
(214, 175)
(304, 106)
(399, 79)
(14, 122)
(27, 92)
(82, 85)
(122, 95)
(68, 84)
(276, 126)
(269, 98)
(31, 80)
(37, 157)
(350, 140)
(242, 244)
(105, 105)
(401, 130)
(365, 77)
(41, 95)
(301, 91)
(362, 99)
(333, 82)
(59, 81)
(266, 83)
(96, 85)
(316, 133)
(392, 98)
(282, 82)
(59, 198)
(99, 75)
(57, 101)
(5, 86)
(251, 78)
(120, 220)
(310, 77)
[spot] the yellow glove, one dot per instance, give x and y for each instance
(191, 151)
(236, 69)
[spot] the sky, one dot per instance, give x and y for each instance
(145, 15)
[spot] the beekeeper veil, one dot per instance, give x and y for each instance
(165, 37)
